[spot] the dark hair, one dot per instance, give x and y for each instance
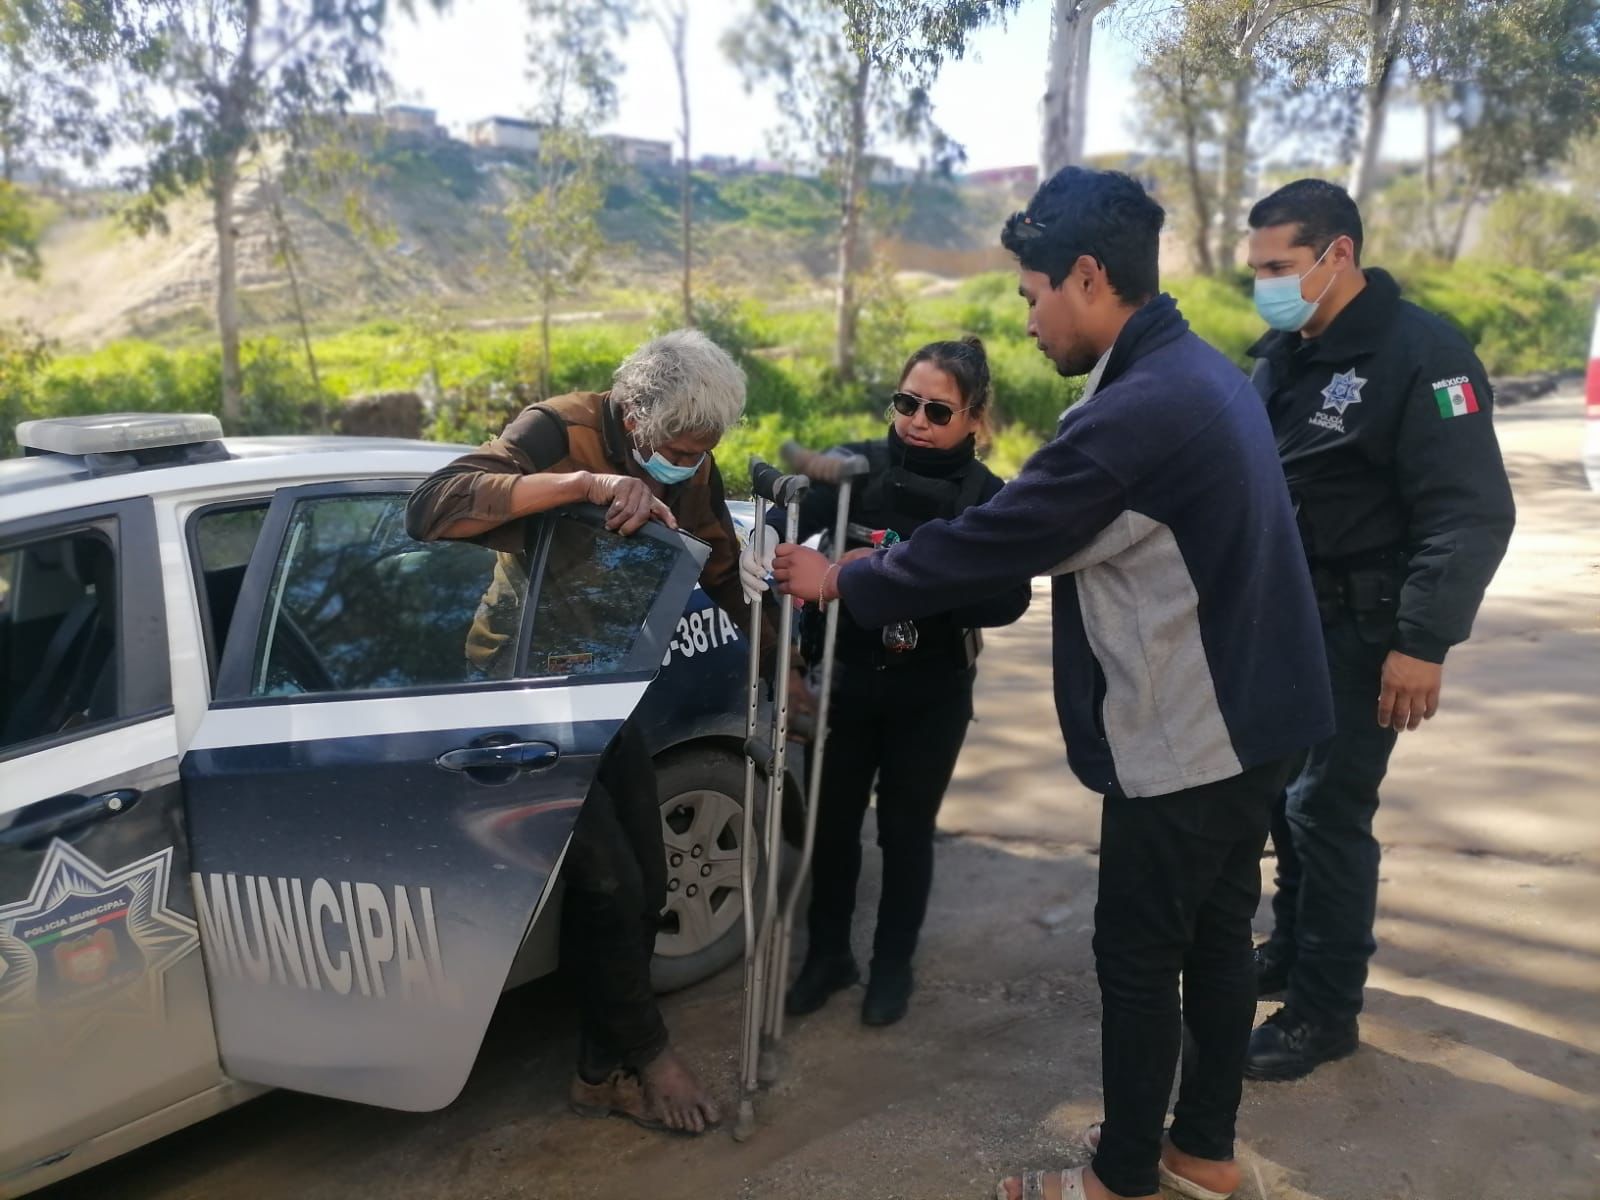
(1320, 210)
(964, 361)
(1104, 214)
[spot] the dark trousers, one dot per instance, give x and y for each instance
(1180, 878)
(904, 727)
(616, 875)
(1327, 880)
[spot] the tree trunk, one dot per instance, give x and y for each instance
(1468, 203)
(1198, 197)
(286, 245)
(1430, 167)
(853, 185)
(1064, 114)
(545, 300)
(1386, 27)
(1235, 155)
(225, 182)
(687, 199)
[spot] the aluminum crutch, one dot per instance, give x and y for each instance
(840, 470)
(764, 757)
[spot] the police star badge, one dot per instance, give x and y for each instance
(1342, 391)
(83, 935)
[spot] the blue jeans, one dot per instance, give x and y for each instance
(1327, 879)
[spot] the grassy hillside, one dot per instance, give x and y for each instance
(442, 245)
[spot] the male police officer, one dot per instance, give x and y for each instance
(1381, 413)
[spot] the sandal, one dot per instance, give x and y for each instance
(1173, 1182)
(1033, 1184)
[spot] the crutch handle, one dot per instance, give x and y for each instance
(775, 487)
(832, 466)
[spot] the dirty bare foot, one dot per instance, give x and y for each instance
(1088, 1187)
(676, 1096)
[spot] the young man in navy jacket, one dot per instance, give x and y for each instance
(1188, 664)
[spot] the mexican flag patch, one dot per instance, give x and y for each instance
(1455, 397)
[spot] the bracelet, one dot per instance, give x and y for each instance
(822, 591)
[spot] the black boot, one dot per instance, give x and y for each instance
(888, 993)
(1272, 970)
(1290, 1045)
(821, 977)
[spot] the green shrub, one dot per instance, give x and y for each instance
(1520, 320)
(1222, 312)
(1540, 228)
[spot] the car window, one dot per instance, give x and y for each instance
(223, 540)
(357, 605)
(594, 596)
(58, 636)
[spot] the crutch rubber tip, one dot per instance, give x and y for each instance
(745, 1124)
(769, 1066)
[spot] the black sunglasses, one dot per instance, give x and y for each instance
(1024, 228)
(939, 413)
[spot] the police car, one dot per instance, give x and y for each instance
(268, 818)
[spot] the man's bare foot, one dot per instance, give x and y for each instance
(676, 1096)
(1092, 1188)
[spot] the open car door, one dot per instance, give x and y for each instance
(382, 790)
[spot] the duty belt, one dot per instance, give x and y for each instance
(1366, 585)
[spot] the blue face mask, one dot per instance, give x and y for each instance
(1280, 303)
(663, 471)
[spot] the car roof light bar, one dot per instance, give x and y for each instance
(117, 433)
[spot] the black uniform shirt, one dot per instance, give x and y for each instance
(1383, 425)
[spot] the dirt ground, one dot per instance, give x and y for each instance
(1479, 1075)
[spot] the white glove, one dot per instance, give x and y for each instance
(753, 571)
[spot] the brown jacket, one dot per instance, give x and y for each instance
(577, 432)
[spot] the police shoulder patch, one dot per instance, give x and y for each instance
(1455, 397)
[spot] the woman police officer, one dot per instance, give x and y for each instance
(899, 712)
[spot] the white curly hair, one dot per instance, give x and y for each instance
(681, 382)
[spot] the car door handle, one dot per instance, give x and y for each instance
(510, 758)
(62, 814)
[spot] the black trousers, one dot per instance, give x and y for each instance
(1180, 878)
(616, 875)
(903, 727)
(1327, 881)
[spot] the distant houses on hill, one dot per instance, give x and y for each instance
(517, 135)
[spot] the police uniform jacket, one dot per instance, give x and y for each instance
(1383, 427)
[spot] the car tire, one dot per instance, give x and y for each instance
(702, 809)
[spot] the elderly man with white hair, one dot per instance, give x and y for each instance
(643, 450)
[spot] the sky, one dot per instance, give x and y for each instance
(469, 63)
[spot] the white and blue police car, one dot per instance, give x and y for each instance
(273, 813)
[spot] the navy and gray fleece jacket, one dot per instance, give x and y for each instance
(1187, 644)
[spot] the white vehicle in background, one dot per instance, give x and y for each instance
(1591, 441)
